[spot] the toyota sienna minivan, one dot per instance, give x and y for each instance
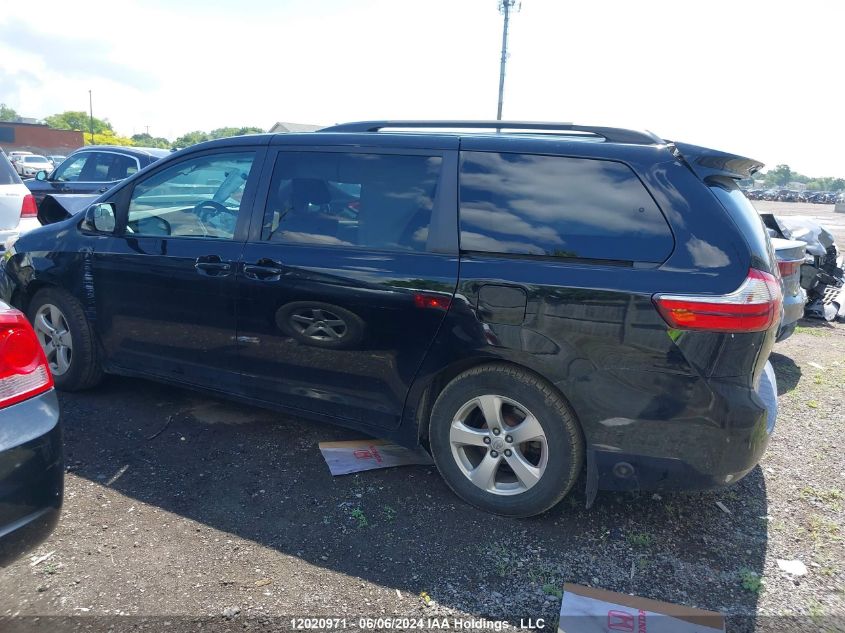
(529, 301)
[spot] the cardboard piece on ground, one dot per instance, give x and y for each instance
(354, 456)
(586, 610)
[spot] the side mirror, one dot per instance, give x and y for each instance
(100, 218)
(41, 175)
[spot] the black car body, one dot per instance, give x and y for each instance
(93, 169)
(31, 463)
(523, 303)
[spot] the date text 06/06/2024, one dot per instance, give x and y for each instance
(409, 623)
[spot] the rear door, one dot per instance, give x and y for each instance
(346, 278)
(165, 286)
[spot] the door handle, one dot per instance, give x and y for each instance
(264, 270)
(212, 265)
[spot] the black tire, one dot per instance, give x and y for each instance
(348, 327)
(563, 438)
(84, 369)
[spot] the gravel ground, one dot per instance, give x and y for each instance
(229, 520)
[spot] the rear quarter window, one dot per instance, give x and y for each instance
(553, 206)
(747, 220)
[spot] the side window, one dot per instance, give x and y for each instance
(555, 206)
(71, 168)
(198, 197)
(380, 201)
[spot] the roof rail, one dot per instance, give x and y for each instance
(609, 134)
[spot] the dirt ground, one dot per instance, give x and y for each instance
(228, 518)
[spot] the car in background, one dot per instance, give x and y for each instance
(16, 154)
(31, 460)
(56, 159)
(28, 166)
(790, 255)
(93, 170)
(17, 205)
(531, 306)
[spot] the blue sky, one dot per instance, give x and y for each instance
(761, 78)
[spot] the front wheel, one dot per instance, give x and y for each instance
(66, 337)
(506, 441)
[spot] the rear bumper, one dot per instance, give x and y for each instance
(31, 474)
(688, 454)
(25, 225)
(793, 310)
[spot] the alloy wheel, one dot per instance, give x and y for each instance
(53, 333)
(499, 445)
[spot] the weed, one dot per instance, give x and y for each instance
(358, 515)
(813, 404)
(816, 611)
(751, 581)
(389, 514)
(640, 539)
(553, 590)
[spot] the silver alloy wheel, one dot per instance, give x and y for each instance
(318, 324)
(53, 333)
(499, 445)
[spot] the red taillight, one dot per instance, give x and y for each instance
(29, 209)
(789, 268)
(422, 300)
(24, 371)
(753, 307)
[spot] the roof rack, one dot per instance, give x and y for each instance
(609, 134)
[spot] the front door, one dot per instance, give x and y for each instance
(165, 288)
(344, 285)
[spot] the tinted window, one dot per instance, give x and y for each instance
(70, 169)
(554, 206)
(107, 167)
(360, 200)
(8, 176)
(748, 221)
(199, 197)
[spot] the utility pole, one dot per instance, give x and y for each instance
(505, 7)
(91, 114)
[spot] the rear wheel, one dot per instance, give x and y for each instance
(66, 337)
(505, 440)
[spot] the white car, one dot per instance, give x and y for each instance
(28, 166)
(16, 155)
(18, 212)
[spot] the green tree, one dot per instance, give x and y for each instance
(147, 140)
(779, 176)
(198, 136)
(78, 120)
(107, 137)
(7, 113)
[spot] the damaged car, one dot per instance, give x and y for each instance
(531, 302)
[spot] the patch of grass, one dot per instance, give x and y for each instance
(821, 528)
(813, 404)
(831, 497)
(815, 610)
(360, 517)
(751, 581)
(553, 590)
(640, 539)
(812, 331)
(501, 560)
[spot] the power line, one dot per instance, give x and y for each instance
(505, 7)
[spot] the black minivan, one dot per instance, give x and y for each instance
(530, 301)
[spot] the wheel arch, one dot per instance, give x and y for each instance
(424, 403)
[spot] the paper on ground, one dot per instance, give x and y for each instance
(586, 610)
(357, 455)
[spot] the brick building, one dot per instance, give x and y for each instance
(38, 138)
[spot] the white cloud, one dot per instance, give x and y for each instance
(761, 79)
